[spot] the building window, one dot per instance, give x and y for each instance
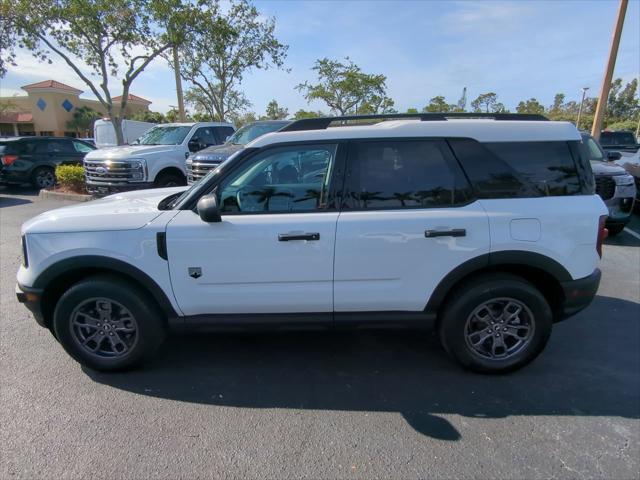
(46, 134)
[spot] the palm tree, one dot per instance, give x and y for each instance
(82, 121)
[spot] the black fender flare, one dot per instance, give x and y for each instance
(494, 260)
(108, 264)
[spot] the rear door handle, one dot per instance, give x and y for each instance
(454, 232)
(288, 237)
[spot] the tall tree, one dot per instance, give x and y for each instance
(99, 39)
(300, 114)
(438, 104)
(487, 103)
(222, 48)
(275, 112)
(344, 87)
(623, 103)
(530, 106)
(149, 116)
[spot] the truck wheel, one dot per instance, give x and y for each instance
(170, 180)
(43, 177)
(496, 323)
(108, 324)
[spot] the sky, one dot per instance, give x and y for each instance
(518, 49)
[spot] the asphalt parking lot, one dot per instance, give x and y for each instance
(323, 405)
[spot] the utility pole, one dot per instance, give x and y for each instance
(176, 71)
(608, 73)
(584, 92)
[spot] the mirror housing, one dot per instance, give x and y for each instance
(208, 209)
(611, 156)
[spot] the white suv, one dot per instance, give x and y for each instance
(156, 159)
(488, 228)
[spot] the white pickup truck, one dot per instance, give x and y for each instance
(156, 159)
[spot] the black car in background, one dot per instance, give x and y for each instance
(620, 141)
(34, 159)
(200, 163)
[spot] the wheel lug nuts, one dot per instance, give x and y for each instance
(497, 334)
(111, 333)
(504, 329)
(101, 332)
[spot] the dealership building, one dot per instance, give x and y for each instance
(48, 106)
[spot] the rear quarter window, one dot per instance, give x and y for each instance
(519, 169)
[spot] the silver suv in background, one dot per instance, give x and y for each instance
(200, 163)
(614, 185)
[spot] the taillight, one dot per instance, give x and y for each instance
(602, 234)
(9, 159)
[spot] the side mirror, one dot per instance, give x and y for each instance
(227, 139)
(208, 209)
(611, 156)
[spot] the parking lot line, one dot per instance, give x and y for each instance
(632, 233)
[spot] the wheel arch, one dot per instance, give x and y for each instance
(545, 273)
(57, 278)
(170, 171)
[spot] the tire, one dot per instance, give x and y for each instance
(615, 229)
(92, 322)
(43, 177)
(461, 326)
(170, 180)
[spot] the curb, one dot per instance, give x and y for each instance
(53, 195)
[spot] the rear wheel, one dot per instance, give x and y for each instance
(170, 180)
(43, 177)
(108, 324)
(495, 324)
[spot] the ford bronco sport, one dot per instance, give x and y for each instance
(487, 227)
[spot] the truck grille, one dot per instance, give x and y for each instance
(197, 170)
(605, 187)
(113, 171)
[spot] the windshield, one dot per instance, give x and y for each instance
(198, 184)
(163, 135)
(250, 132)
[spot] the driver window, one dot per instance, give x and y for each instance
(280, 180)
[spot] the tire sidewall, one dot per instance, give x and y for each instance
(452, 328)
(150, 327)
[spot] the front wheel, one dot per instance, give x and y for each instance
(496, 323)
(170, 180)
(107, 323)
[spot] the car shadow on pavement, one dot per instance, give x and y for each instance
(12, 201)
(590, 368)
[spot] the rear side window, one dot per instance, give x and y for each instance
(519, 169)
(393, 174)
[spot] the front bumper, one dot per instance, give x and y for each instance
(107, 188)
(32, 299)
(578, 294)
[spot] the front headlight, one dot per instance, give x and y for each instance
(138, 169)
(623, 180)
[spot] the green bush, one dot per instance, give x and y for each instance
(71, 177)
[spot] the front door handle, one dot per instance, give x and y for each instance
(287, 237)
(454, 232)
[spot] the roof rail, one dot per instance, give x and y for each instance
(321, 123)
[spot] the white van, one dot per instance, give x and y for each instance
(104, 134)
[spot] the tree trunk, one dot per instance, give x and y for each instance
(116, 121)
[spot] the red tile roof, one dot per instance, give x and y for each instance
(51, 84)
(132, 98)
(17, 117)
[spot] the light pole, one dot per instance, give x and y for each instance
(584, 93)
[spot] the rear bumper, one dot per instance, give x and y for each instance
(32, 299)
(578, 294)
